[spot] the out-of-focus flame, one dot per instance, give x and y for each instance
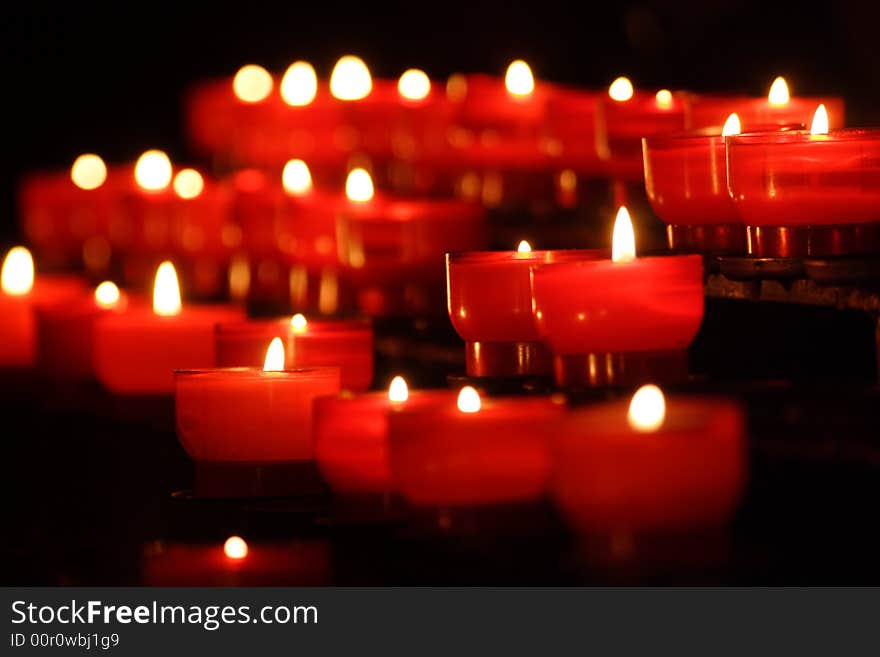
(88, 171)
(621, 89)
(778, 92)
(17, 276)
(252, 84)
(153, 170)
(274, 361)
(298, 323)
(623, 240)
(519, 80)
(359, 186)
(188, 183)
(524, 247)
(732, 126)
(469, 400)
(820, 121)
(663, 99)
(296, 178)
(235, 548)
(350, 79)
(299, 86)
(166, 291)
(398, 391)
(647, 410)
(414, 84)
(107, 295)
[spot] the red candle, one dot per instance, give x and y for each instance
(653, 466)
(137, 351)
(347, 344)
(21, 296)
(591, 309)
(807, 194)
(472, 452)
(237, 563)
(490, 305)
(573, 121)
(351, 436)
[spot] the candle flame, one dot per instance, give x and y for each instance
(469, 400)
(623, 240)
(274, 361)
(88, 171)
(17, 277)
(732, 126)
(647, 410)
(166, 291)
(359, 186)
(663, 99)
(621, 89)
(252, 84)
(524, 247)
(398, 391)
(299, 86)
(414, 84)
(296, 178)
(778, 92)
(519, 80)
(350, 79)
(153, 170)
(820, 121)
(298, 323)
(235, 548)
(107, 295)
(188, 183)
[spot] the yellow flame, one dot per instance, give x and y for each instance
(398, 391)
(350, 79)
(298, 323)
(519, 80)
(778, 92)
(621, 89)
(623, 240)
(166, 291)
(296, 178)
(17, 277)
(153, 170)
(359, 186)
(732, 126)
(107, 295)
(299, 86)
(663, 99)
(274, 361)
(524, 247)
(252, 84)
(647, 410)
(414, 84)
(188, 183)
(469, 400)
(235, 547)
(820, 121)
(88, 171)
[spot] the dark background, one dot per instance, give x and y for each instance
(110, 78)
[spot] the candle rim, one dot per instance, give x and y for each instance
(712, 133)
(316, 372)
(804, 136)
(572, 264)
(486, 257)
(315, 326)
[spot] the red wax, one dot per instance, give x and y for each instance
(245, 415)
(347, 344)
(306, 228)
(294, 563)
(136, 352)
(351, 438)
(690, 473)
(573, 120)
(707, 110)
(650, 304)
(18, 328)
(486, 103)
(441, 456)
(797, 179)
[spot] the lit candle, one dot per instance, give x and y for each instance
(596, 314)
(137, 351)
(651, 464)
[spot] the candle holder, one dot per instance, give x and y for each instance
(813, 241)
(726, 238)
(620, 370)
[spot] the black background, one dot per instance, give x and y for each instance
(109, 78)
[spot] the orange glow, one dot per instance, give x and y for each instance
(398, 391)
(299, 323)
(469, 400)
(456, 87)
(17, 277)
(107, 295)
(235, 548)
(350, 79)
(296, 178)
(274, 361)
(623, 240)
(153, 171)
(524, 247)
(359, 186)
(663, 99)
(647, 410)
(188, 183)
(414, 84)
(621, 89)
(88, 171)
(299, 86)
(166, 291)
(732, 126)
(820, 121)
(519, 80)
(779, 94)
(252, 84)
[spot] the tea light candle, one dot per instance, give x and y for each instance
(515, 104)
(650, 465)
(137, 351)
(468, 451)
(271, 406)
(590, 312)
(490, 305)
(347, 344)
